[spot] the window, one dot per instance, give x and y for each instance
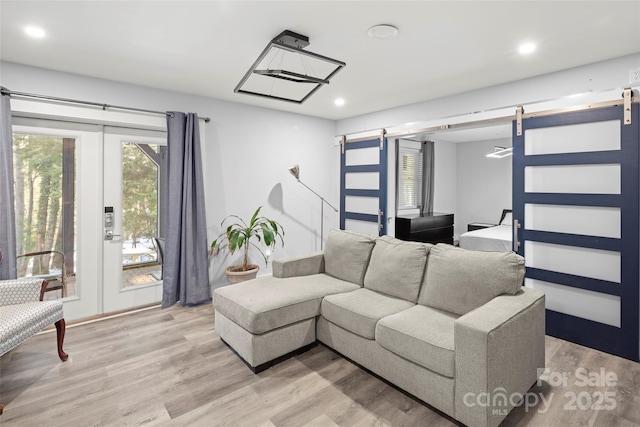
(409, 175)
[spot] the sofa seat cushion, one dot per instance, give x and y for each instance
(267, 303)
(397, 267)
(346, 255)
(20, 321)
(422, 335)
(459, 280)
(360, 310)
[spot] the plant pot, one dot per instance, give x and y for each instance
(236, 275)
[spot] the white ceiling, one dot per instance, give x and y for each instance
(205, 47)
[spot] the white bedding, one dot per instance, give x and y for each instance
(492, 239)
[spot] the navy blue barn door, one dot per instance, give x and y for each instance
(575, 209)
(363, 186)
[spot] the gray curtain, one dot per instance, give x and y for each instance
(7, 209)
(186, 265)
(397, 172)
(428, 158)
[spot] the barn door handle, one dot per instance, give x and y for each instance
(516, 242)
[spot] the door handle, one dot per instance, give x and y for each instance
(516, 242)
(108, 235)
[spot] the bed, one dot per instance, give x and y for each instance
(490, 239)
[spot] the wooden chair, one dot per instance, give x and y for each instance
(60, 278)
(23, 313)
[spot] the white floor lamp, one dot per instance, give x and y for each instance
(295, 171)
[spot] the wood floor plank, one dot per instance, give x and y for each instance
(321, 421)
(170, 368)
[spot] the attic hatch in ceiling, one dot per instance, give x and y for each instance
(287, 72)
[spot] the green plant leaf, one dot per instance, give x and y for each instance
(233, 240)
(255, 215)
(232, 225)
(268, 234)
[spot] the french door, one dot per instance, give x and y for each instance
(575, 206)
(134, 177)
(67, 175)
(363, 186)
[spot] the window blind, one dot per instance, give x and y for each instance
(410, 174)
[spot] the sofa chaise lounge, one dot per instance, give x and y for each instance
(453, 327)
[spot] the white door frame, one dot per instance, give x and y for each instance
(64, 119)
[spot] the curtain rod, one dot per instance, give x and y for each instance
(6, 91)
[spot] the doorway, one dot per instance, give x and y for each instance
(67, 175)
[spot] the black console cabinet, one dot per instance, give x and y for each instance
(428, 228)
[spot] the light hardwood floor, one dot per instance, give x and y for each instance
(169, 367)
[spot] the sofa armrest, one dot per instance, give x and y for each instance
(499, 348)
(305, 265)
(19, 291)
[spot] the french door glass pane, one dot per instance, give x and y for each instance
(45, 205)
(140, 208)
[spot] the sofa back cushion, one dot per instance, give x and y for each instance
(346, 255)
(397, 268)
(459, 280)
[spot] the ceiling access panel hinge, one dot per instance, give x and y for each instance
(627, 94)
(519, 113)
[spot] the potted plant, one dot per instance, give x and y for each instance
(238, 235)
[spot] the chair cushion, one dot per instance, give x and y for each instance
(459, 280)
(18, 291)
(267, 303)
(346, 255)
(360, 310)
(422, 335)
(396, 267)
(20, 321)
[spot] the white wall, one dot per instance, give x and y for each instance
(589, 79)
(445, 178)
(484, 184)
(247, 153)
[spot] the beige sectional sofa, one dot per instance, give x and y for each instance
(455, 328)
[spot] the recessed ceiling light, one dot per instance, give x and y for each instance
(35, 32)
(527, 48)
(339, 102)
(382, 31)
